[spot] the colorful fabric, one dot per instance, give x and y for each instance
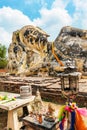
(61, 117)
(61, 125)
(82, 111)
(77, 122)
(61, 113)
(73, 114)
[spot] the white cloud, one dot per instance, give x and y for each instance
(11, 20)
(5, 37)
(53, 20)
(80, 15)
(59, 4)
(80, 5)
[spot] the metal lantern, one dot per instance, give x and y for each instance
(69, 82)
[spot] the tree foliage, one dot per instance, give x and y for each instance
(2, 51)
(3, 59)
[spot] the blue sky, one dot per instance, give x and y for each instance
(50, 15)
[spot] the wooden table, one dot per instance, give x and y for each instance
(35, 125)
(12, 107)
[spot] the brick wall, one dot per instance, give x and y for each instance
(48, 94)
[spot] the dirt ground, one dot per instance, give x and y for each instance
(3, 114)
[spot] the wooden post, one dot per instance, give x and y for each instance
(13, 120)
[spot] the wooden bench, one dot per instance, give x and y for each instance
(12, 106)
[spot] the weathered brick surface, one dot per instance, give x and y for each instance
(49, 87)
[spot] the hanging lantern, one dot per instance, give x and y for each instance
(70, 82)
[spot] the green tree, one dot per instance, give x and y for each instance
(3, 59)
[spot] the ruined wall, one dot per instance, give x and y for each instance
(72, 43)
(49, 87)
